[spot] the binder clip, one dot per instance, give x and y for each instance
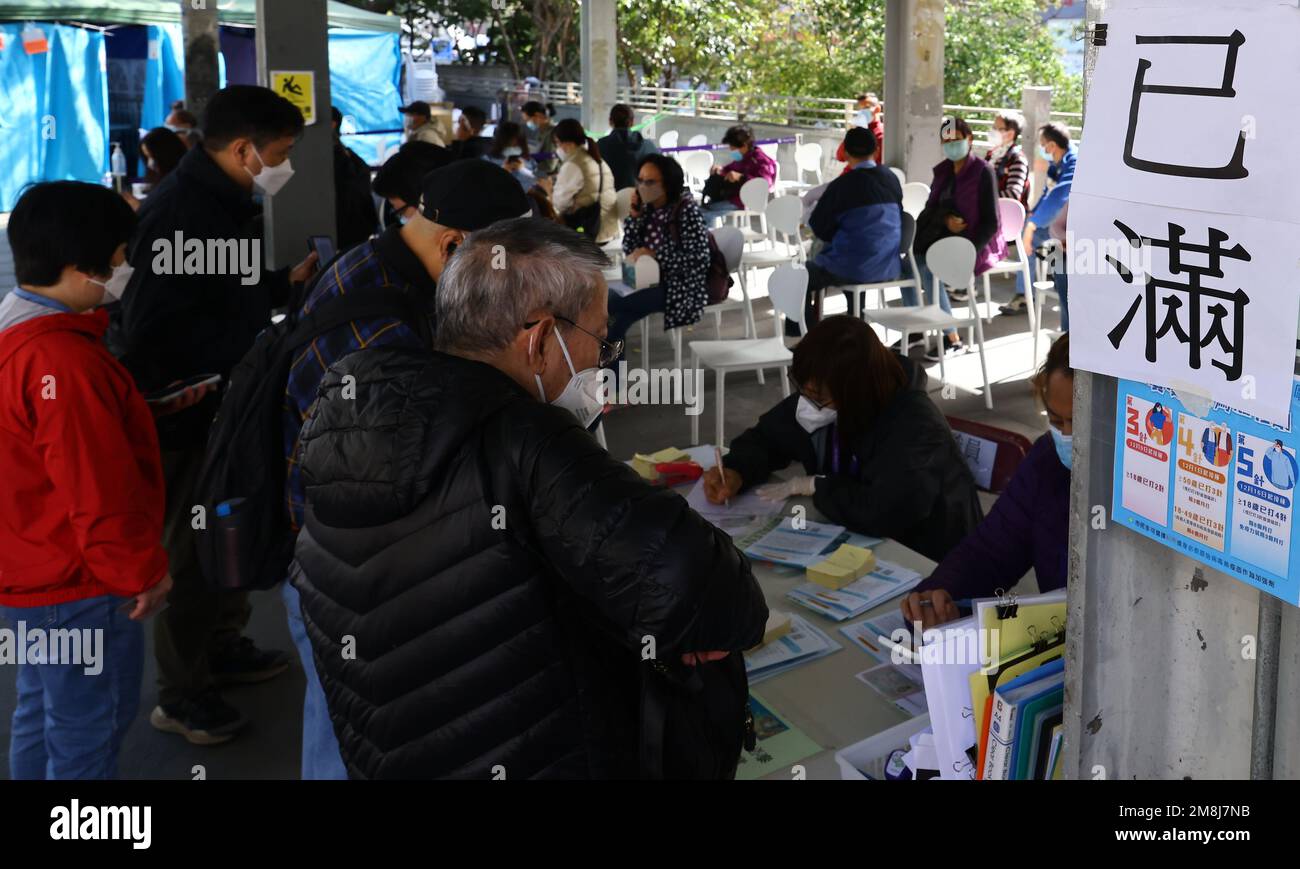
(1006, 605)
(1039, 641)
(1096, 34)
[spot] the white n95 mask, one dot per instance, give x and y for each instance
(582, 394)
(115, 286)
(811, 417)
(271, 179)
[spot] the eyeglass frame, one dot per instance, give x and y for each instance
(610, 351)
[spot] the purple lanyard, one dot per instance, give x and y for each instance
(835, 453)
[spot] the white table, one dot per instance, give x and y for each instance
(824, 699)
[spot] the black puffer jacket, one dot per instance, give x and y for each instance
(911, 483)
(480, 646)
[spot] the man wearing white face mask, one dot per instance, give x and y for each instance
(878, 456)
(81, 511)
(174, 326)
(531, 573)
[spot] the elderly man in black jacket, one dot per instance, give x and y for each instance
(488, 593)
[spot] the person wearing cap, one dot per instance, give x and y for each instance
(454, 201)
(420, 126)
(860, 218)
(398, 180)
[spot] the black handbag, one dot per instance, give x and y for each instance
(718, 189)
(932, 222)
(587, 218)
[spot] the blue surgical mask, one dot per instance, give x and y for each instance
(956, 150)
(532, 125)
(1043, 155)
(1064, 444)
(736, 156)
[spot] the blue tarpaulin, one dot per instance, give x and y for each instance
(53, 109)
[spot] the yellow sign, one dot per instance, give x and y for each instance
(299, 88)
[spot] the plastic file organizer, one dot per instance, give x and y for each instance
(865, 760)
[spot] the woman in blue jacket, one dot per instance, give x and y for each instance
(1029, 525)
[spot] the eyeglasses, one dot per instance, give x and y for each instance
(803, 393)
(610, 351)
(642, 183)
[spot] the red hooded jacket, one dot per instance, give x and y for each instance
(81, 508)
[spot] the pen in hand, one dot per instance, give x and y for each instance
(717, 455)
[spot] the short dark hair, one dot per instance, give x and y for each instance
(844, 357)
(957, 123)
(476, 116)
(671, 170)
(184, 115)
(244, 111)
(738, 136)
(621, 117)
(506, 135)
(860, 142)
(1056, 133)
(335, 115)
(58, 224)
(533, 107)
(402, 174)
(166, 149)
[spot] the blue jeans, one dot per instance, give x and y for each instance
(1063, 290)
(625, 311)
(718, 207)
(1041, 236)
(68, 723)
(927, 280)
(320, 747)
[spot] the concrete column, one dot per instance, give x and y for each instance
(599, 67)
(202, 45)
(291, 35)
(914, 34)
(1036, 106)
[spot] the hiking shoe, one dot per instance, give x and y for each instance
(243, 663)
(950, 348)
(1017, 305)
(205, 720)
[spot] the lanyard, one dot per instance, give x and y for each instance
(835, 453)
(43, 301)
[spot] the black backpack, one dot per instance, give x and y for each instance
(247, 542)
(717, 280)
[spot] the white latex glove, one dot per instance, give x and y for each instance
(788, 489)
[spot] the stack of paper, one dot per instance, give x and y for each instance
(843, 566)
(876, 637)
(800, 546)
(803, 644)
(778, 625)
(887, 581)
(737, 517)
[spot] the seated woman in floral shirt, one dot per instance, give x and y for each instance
(665, 223)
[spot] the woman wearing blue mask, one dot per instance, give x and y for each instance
(742, 163)
(878, 455)
(509, 150)
(1029, 525)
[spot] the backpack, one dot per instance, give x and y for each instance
(717, 280)
(247, 542)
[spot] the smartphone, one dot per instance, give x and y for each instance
(323, 246)
(175, 391)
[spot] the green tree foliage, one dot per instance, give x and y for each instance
(823, 48)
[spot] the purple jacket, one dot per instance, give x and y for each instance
(755, 164)
(1027, 527)
(977, 200)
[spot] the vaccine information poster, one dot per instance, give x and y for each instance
(1218, 487)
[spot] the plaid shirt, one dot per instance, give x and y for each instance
(384, 261)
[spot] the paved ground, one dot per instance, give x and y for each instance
(270, 748)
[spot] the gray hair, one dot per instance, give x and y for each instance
(1012, 119)
(504, 272)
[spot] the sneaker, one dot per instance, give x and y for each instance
(950, 348)
(914, 339)
(959, 295)
(1017, 305)
(243, 663)
(205, 720)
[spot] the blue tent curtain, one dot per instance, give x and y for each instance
(164, 74)
(53, 109)
(365, 85)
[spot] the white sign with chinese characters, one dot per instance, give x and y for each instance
(1185, 167)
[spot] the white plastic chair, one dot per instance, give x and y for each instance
(732, 244)
(614, 247)
(1012, 216)
(668, 140)
(783, 215)
(952, 262)
(1042, 288)
(787, 288)
(915, 195)
(646, 270)
(907, 262)
(695, 166)
(807, 159)
(696, 140)
(754, 198)
(902, 177)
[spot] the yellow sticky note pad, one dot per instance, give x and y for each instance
(644, 464)
(842, 567)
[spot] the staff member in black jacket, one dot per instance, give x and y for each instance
(879, 455)
(498, 580)
(200, 319)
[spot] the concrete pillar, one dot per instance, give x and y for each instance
(202, 45)
(291, 35)
(599, 67)
(914, 34)
(1036, 106)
